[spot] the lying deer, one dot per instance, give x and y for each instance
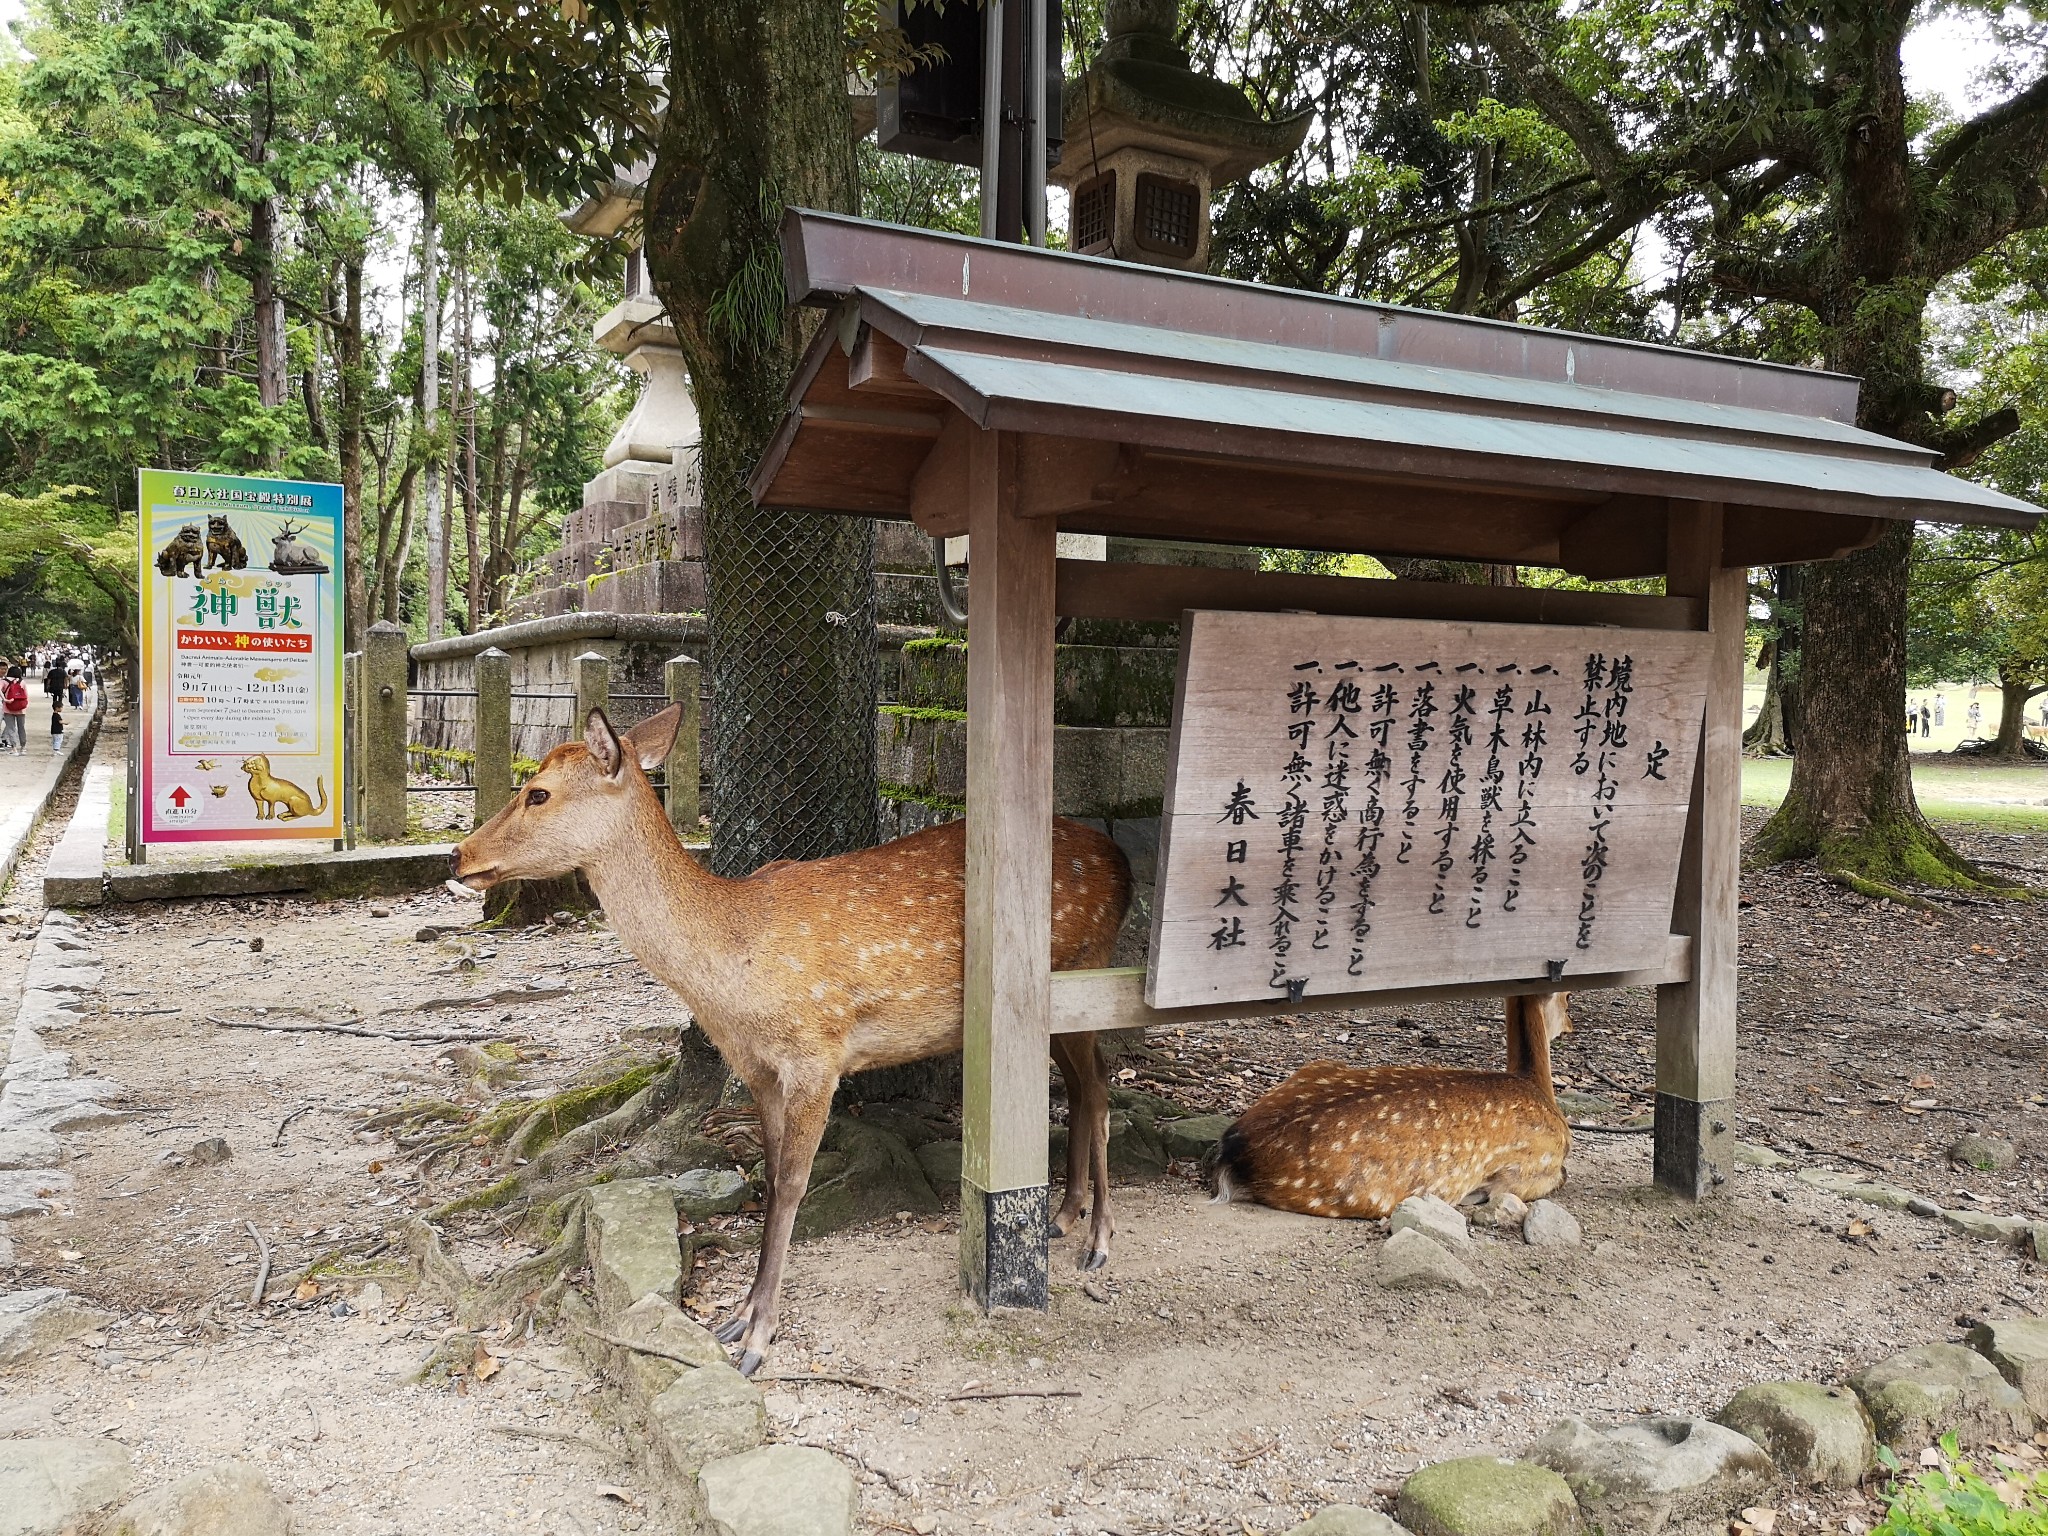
(803, 971)
(1356, 1141)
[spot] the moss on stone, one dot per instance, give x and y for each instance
(910, 794)
(920, 712)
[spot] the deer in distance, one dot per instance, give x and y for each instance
(1334, 1140)
(805, 970)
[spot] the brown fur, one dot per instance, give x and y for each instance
(1356, 1141)
(804, 971)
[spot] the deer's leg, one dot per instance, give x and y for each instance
(768, 1107)
(1079, 1132)
(1087, 1078)
(805, 1107)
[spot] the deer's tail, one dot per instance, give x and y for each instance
(320, 783)
(1233, 1165)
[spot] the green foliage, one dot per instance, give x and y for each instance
(1957, 1499)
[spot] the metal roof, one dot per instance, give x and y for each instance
(1175, 405)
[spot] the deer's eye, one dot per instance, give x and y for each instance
(536, 797)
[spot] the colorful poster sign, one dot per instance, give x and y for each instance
(241, 658)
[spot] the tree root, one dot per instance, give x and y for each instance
(533, 1285)
(1881, 860)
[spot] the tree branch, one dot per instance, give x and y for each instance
(2027, 111)
(1961, 447)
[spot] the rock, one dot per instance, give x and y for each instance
(1577, 1105)
(370, 1298)
(704, 1414)
(1140, 1102)
(231, 1499)
(214, 1149)
(1831, 1179)
(6, 1248)
(779, 1490)
(1411, 1261)
(2018, 1347)
(1749, 1155)
(702, 1193)
(634, 1251)
(1136, 1149)
(656, 1320)
(1886, 1197)
(1347, 1520)
(940, 1161)
(864, 1173)
(37, 1320)
(1986, 1154)
(1504, 1213)
(1656, 1473)
(47, 1484)
(30, 1416)
(1193, 1135)
(1818, 1436)
(1916, 1395)
(1487, 1496)
(1436, 1218)
(1920, 1205)
(1550, 1225)
(2015, 1230)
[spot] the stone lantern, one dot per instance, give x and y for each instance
(1149, 142)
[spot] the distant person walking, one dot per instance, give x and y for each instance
(75, 691)
(57, 723)
(1940, 711)
(1975, 717)
(1926, 722)
(53, 679)
(14, 713)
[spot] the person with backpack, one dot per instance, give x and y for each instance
(57, 723)
(53, 679)
(14, 713)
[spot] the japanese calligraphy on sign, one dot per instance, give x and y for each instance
(1361, 804)
(241, 658)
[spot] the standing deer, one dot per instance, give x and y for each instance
(1356, 1141)
(803, 971)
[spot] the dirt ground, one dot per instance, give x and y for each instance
(1231, 1371)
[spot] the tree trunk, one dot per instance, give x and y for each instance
(757, 120)
(1775, 731)
(394, 571)
(473, 600)
(266, 239)
(2014, 693)
(350, 385)
(430, 409)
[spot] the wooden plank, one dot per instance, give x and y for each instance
(1776, 536)
(1086, 1001)
(1696, 1017)
(1059, 475)
(1622, 538)
(1362, 803)
(1008, 999)
(1091, 589)
(876, 368)
(939, 491)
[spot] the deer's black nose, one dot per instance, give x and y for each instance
(455, 863)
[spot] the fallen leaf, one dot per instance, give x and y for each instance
(1761, 1520)
(307, 1290)
(1931, 1457)
(486, 1365)
(376, 1165)
(613, 1491)
(69, 1255)
(1860, 1228)
(1923, 1081)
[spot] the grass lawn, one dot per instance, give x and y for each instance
(2010, 796)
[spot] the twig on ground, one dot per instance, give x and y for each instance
(842, 1381)
(862, 1462)
(262, 1265)
(977, 1397)
(639, 1348)
(140, 1013)
(182, 1125)
(535, 1432)
(1251, 1456)
(439, 1037)
(1612, 1130)
(278, 1139)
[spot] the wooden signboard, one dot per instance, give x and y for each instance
(1355, 804)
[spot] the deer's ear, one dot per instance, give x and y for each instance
(603, 743)
(654, 738)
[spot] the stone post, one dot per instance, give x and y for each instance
(682, 680)
(351, 746)
(491, 771)
(593, 690)
(384, 731)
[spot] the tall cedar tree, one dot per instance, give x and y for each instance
(562, 99)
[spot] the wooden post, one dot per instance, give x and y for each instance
(491, 769)
(593, 690)
(682, 680)
(351, 746)
(1008, 1005)
(384, 731)
(1696, 1018)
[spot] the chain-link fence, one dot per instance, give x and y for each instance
(790, 599)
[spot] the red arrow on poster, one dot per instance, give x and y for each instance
(179, 797)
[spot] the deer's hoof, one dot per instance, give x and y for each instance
(1094, 1258)
(750, 1362)
(1056, 1228)
(732, 1330)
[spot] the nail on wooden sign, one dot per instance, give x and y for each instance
(1354, 804)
